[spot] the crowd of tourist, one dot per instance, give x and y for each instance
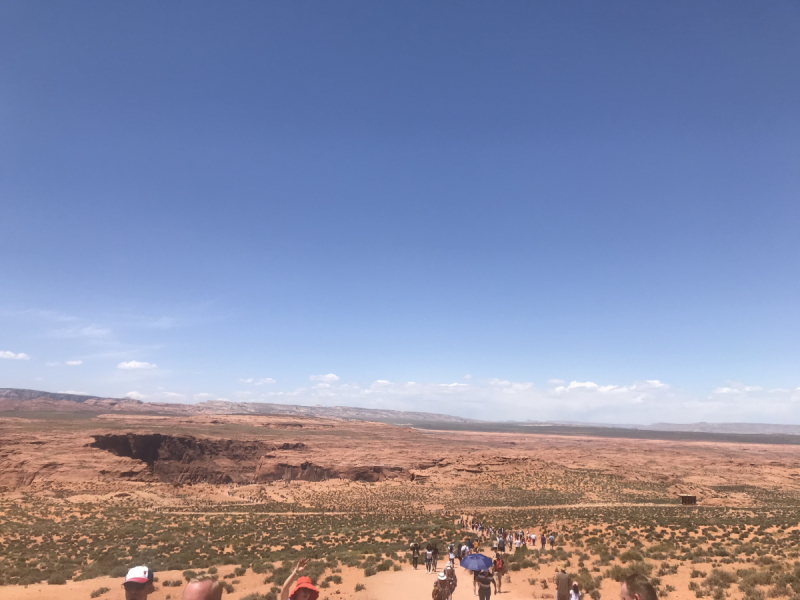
(487, 574)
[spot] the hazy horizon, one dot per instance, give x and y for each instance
(516, 211)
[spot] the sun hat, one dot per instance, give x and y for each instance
(442, 577)
(139, 575)
(305, 582)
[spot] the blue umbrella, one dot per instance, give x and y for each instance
(476, 562)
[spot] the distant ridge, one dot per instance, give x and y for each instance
(23, 400)
(12, 399)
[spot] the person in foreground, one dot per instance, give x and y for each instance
(303, 589)
(441, 588)
(138, 583)
(485, 583)
(203, 587)
(637, 587)
(563, 583)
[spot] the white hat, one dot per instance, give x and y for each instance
(442, 576)
(139, 575)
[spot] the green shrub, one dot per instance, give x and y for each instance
(720, 579)
(57, 579)
(99, 592)
(630, 555)
(360, 586)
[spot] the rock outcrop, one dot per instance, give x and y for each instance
(189, 459)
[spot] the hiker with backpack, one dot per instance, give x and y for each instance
(499, 569)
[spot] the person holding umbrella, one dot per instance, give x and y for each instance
(478, 564)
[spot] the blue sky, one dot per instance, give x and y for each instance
(518, 210)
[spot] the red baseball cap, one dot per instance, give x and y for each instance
(305, 582)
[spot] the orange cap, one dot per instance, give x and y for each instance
(305, 582)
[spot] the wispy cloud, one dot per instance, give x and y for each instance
(135, 395)
(329, 378)
(132, 365)
(261, 381)
(14, 355)
(93, 332)
(735, 387)
(74, 363)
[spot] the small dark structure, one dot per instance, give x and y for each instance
(688, 500)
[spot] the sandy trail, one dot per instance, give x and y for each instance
(389, 585)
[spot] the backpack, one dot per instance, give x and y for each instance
(499, 567)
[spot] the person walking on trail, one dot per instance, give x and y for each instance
(485, 583)
(414, 555)
(435, 558)
(303, 589)
(428, 558)
(552, 540)
(451, 554)
(563, 583)
(499, 569)
(452, 580)
(440, 588)
(501, 544)
(575, 592)
(543, 539)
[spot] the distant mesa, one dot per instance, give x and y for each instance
(33, 400)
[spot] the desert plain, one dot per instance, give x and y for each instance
(85, 496)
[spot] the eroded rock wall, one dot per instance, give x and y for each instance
(189, 459)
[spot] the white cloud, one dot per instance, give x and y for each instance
(202, 395)
(14, 355)
(589, 385)
(555, 382)
(135, 396)
(329, 378)
(74, 363)
(135, 365)
(737, 388)
(262, 381)
(73, 392)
